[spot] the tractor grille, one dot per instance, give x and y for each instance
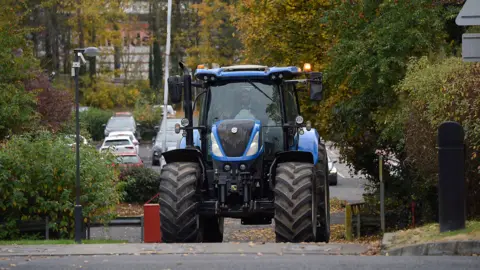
(234, 144)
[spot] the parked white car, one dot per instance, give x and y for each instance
(71, 139)
(118, 144)
(128, 134)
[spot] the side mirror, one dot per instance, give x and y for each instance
(153, 140)
(104, 125)
(156, 128)
(335, 161)
(175, 86)
(315, 86)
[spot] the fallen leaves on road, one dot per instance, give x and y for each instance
(128, 210)
(252, 235)
(337, 235)
(337, 205)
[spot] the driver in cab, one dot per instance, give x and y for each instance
(245, 107)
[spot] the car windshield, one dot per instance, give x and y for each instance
(122, 135)
(131, 159)
(253, 100)
(120, 122)
(117, 142)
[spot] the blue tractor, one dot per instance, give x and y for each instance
(251, 156)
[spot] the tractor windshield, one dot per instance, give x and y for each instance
(245, 100)
(257, 100)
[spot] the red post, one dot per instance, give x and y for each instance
(151, 223)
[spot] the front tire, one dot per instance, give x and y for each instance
(295, 203)
(178, 208)
(323, 196)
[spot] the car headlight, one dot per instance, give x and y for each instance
(215, 147)
(333, 170)
(253, 149)
(155, 153)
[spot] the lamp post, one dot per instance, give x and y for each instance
(79, 55)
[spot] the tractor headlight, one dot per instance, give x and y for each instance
(215, 147)
(253, 149)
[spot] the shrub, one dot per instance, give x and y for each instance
(53, 105)
(106, 95)
(434, 92)
(93, 120)
(37, 180)
(141, 184)
(148, 117)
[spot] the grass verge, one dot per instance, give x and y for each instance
(431, 233)
(58, 242)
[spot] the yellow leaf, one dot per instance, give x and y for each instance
(14, 204)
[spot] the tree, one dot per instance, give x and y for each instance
(17, 106)
(283, 32)
(217, 41)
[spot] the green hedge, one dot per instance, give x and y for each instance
(140, 184)
(93, 120)
(37, 180)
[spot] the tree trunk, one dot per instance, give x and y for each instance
(117, 53)
(157, 54)
(93, 60)
(66, 51)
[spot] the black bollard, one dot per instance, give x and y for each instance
(451, 184)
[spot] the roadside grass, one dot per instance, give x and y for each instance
(431, 233)
(58, 242)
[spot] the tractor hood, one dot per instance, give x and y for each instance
(236, 140)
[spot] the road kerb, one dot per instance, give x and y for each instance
(184, 249)
(460, 248)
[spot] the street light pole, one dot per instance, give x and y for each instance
(78, 207)
(165, 88)
(90, 52)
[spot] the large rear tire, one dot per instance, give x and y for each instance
(295, 203)
(178, 208)
(323, 196)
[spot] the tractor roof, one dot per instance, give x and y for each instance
(247, 72)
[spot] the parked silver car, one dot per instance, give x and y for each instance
(172, 140)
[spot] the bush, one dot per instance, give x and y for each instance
(37, 180)
(148, 117)
(93, 120)
(141, 184)
(106, 95)
(434, 92)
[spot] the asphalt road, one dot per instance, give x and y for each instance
(233, 262)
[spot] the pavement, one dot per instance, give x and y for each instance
(201, 248)
(238, 262)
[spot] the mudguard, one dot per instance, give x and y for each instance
(187, 155)
(308, 142)
(307, 152)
